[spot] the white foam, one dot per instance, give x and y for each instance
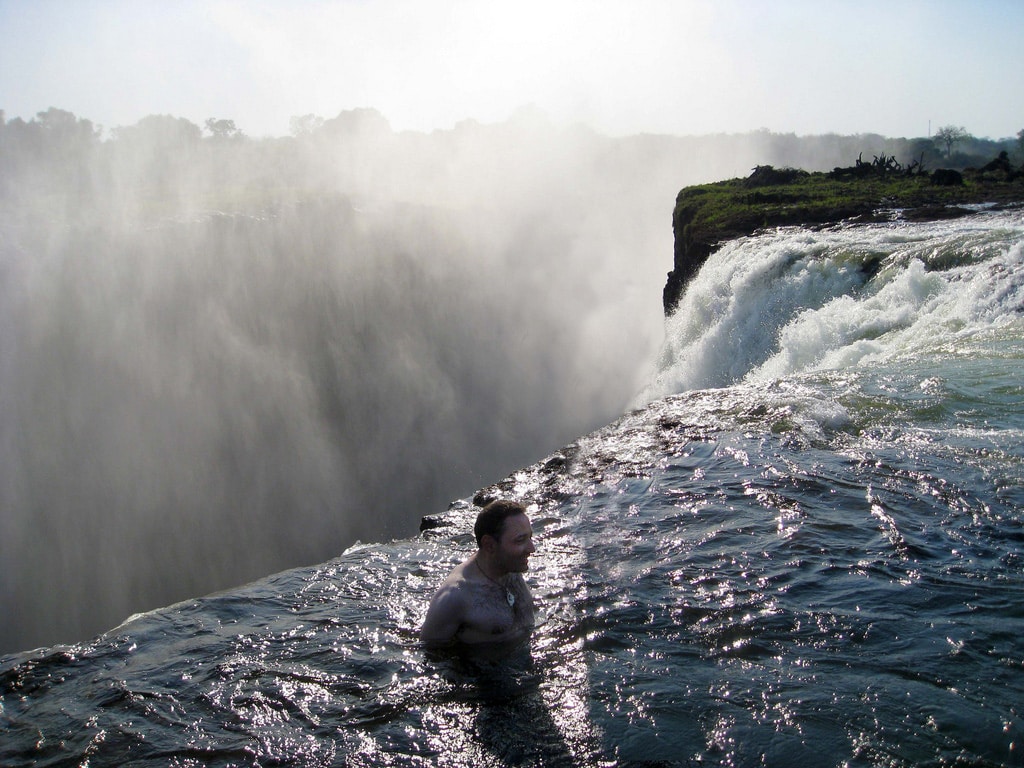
(796, 301)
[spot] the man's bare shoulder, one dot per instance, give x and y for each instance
(454, 588)
(449, 606)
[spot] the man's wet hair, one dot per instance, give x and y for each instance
(491, 520)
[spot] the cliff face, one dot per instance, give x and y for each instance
(688, 253)
(708, 215)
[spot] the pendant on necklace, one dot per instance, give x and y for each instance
(510, 597)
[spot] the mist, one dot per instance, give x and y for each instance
(223, 357)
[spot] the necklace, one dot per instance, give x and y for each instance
(509, 596)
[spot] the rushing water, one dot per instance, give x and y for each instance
(804, 547)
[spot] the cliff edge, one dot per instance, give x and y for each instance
(708, 215)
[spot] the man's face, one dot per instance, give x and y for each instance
(516, 544)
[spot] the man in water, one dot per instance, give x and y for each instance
(485, 599)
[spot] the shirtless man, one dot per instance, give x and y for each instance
(485, 599)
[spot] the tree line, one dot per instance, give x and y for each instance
(162, 160)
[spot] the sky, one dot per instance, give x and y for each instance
(900, 68)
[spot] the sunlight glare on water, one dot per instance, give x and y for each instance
(822, 569)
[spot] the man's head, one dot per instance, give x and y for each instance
(491, 520)
(503, 532)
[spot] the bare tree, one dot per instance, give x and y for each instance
(951, 135)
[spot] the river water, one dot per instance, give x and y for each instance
(805, 546)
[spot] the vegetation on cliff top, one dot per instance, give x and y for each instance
(708, 215)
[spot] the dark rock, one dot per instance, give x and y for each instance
(555, 462)
(945, 177)
(767, 176)
(485, 496)
(935, 213)
(430, 522)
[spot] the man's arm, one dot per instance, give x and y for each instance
(445, 616)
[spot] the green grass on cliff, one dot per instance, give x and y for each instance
(722, 210)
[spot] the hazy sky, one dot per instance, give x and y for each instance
(663, 66)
